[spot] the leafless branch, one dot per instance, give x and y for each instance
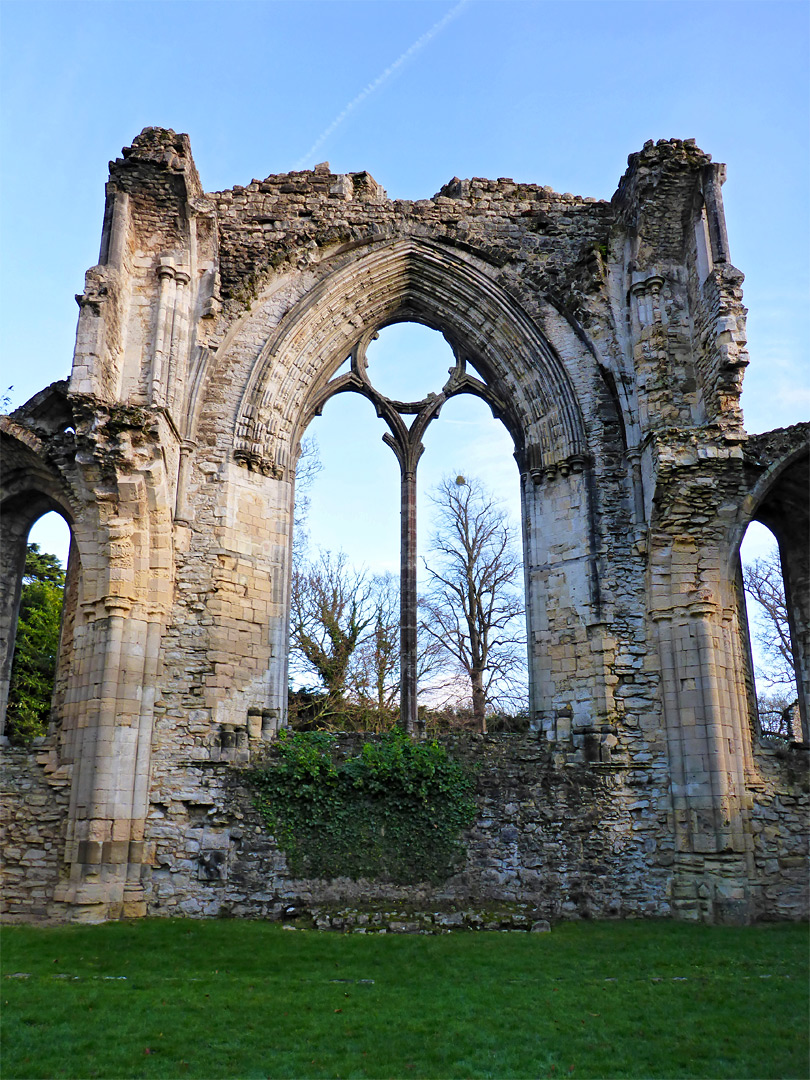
(473, 610)
(764, 583)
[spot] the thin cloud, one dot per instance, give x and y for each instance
(372, 87)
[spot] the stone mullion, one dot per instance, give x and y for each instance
(407, 447)
(409, 711)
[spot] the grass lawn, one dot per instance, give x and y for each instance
(181, 998)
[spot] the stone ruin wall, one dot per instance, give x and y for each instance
(33, 820)
(555, 838)
(612, 337)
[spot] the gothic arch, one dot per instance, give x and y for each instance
(417, 281)
(782, 479)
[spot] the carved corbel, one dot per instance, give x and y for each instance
(211, 308)
(646, 291)
(255, 462)
(251, 444)
(574, 463)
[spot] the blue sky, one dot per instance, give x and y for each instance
(553, 93)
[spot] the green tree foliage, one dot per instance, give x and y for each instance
(36, 647)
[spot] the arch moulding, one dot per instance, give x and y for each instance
(419, 281)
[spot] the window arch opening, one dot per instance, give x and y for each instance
(771, 638)
(40, 628)
(355, 558)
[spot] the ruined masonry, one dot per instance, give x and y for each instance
(609, 338)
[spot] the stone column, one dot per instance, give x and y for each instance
(182, 511)
(163, 329)
(178, 342)
(408, 603)
(707, 761)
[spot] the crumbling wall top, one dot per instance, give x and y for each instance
(647, 168)
(161, 148)
(771, 446)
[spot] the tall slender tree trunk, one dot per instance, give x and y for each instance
(478, 700)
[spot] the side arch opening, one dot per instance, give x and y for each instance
(775, 576)
(38, 607)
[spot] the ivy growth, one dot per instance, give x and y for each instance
(394, 812)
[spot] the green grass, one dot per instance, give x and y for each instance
(175, 998)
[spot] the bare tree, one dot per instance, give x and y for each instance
(764, 583)
(473, 609)
(329, 610)
(375, 671)
(777, 705)
(779, 715)
(306, 470)
(374, 677)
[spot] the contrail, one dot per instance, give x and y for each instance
(373, 86)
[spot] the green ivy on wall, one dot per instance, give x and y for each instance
(394, 812)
